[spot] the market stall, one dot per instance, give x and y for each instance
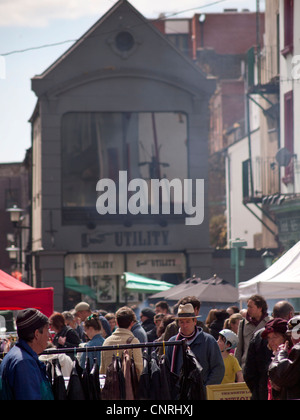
(15, 295)
(280, 280)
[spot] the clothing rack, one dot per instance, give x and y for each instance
(116, 347)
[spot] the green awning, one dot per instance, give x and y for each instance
(137, 283)
(72, 284)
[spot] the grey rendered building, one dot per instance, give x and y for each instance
(121, 108)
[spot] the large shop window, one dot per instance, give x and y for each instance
(150, 145)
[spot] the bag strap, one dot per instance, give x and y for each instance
(129, 339)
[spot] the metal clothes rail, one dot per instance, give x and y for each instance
(75, 350)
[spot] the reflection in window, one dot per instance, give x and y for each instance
(99, 145)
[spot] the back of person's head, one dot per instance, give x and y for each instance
(93, 321)
(211, 316)
(57, 320)
(221, 315)
(234, 318)
(163, 305)
(283, 309)
(125, 316)
(69, 317)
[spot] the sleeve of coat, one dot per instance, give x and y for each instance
(217, 368)
(285, 371)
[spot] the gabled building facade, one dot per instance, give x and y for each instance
(121, 108)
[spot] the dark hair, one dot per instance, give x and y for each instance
(93, 321)
(167, 319)
(189, 299)
(57, 320)
(158, 316)
(221, 315)
(282, 309)
(260, 302)
(163, 305)
(125, 316)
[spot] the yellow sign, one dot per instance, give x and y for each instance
(236, 391)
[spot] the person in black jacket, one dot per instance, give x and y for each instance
(65, 337)
(259, 356)
(218, 324)
(147, 316)
(152, 335)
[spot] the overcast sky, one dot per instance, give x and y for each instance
(30, 24)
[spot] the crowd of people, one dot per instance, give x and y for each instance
(232, 345)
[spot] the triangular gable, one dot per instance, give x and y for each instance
(78, 60)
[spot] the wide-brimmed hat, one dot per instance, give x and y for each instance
(186, 311)
(276, 325)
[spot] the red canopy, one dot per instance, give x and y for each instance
(15, 295)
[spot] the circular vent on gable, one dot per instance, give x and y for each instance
(124, 41)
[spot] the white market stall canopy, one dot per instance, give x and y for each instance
(137, 283)
(281, 280)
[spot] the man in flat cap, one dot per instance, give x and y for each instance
(83, 310)
(22, 375)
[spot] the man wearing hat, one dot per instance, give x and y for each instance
(203, 345)
(22, 375)
(83, 310)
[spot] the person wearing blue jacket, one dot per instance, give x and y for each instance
(22, 375)
(203, 345)
(92, 328)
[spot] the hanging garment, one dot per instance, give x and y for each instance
(114, 386)
(144, 382)
(126, 367)
(86, 380)
(75, 390)
(190, 380)
(134, 378)
(130, 374)
(95, 382)
(58, 386)
(155, 382)
(169, 380)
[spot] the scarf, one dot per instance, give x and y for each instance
(181, 336)
(254, 321)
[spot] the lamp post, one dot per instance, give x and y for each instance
(268, 258)
(15, 250)
(237, 257)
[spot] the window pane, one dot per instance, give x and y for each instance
(99, 145)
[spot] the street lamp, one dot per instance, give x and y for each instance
(13, 252)
(15, 214)
(268, 258)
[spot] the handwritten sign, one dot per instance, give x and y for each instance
(235, 391)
